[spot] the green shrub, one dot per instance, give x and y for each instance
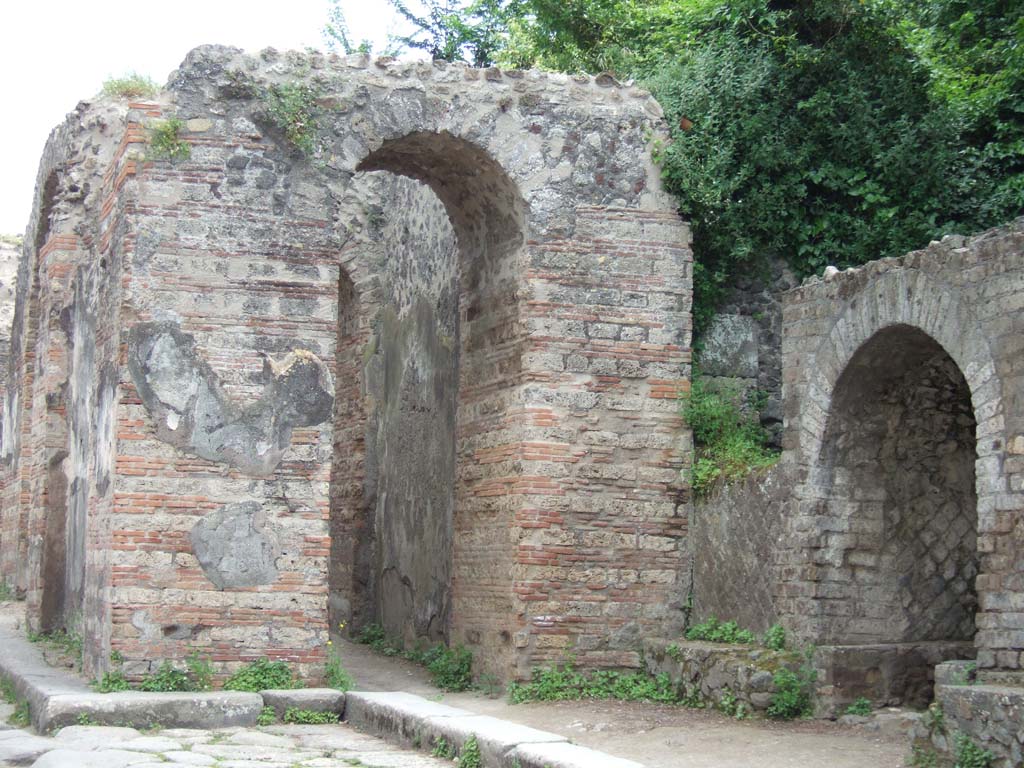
(165, 142)
(968, 754)
(200, 671)
(22, 715)
(923, 758)
(296, 716)
(262, 675)
(165, 679)
(714, 631)
(443, 749)
(566, 683)
(729, 440)
(861, 706)
(335, 674)
(451, 669)
(291, 109)
(267, 716)
(793, 691)
(775, 638)
(112, 682)
(470, 755)
(131, 86)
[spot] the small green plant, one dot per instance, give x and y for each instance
(934, 719)
(292, 108)
(729, 440)
(6, 593)
(967, 754)
(200, 671)
(674, 652)
(775, 638)
(731, 706)
(130, 86)
(165, 142)
(296, 716)
(451, 669)
(166, 679)
(261, 675)
(714, 631)
(22, 715)
(965, 675)
(8, 691)
(335, 674)
(443, 749)
(793, 691)
(267, 716)
(922, 758)
(62, 641)
(563, 683)
(111, 682)
(861, 706)
(470, 756)
(84, 718)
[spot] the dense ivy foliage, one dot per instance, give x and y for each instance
(818, 131)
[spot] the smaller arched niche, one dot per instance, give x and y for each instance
(898, 551)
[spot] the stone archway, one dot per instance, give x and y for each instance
(900, 453)
(897, 426)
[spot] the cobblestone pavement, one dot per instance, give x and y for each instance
(280, 746)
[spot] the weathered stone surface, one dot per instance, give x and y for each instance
(185, 710)
(564, 755)
(991, 716)
(106, 758)
(730, 347)
(313, 699)
(496, 738)
(234, 546)
(20, 748)
(190, 409)
(397, 716)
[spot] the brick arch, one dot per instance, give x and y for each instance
(917, 303)
(911, 298)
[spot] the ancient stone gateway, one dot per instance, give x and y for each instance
(421, 372)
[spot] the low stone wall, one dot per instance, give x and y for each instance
(888, 675)
(712, 670)
(992, 716)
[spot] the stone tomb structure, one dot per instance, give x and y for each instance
(891, 534)
(422, 372)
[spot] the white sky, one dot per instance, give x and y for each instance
(56, 52)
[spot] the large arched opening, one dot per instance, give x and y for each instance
(437, 361)
(897, 554)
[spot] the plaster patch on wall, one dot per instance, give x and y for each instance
(191, 411)
(235, 547)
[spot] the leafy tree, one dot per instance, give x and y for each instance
(818, 131)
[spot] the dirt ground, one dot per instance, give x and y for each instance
(659, 736)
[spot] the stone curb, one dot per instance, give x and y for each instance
(56, 699)
(412, 721)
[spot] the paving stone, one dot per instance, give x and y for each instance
(94, 736)
(106, 758)
(22, 747)
(260, 739)
(151, 744)
(190, 758)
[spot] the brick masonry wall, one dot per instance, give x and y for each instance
(236, 301)
(965, 296)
